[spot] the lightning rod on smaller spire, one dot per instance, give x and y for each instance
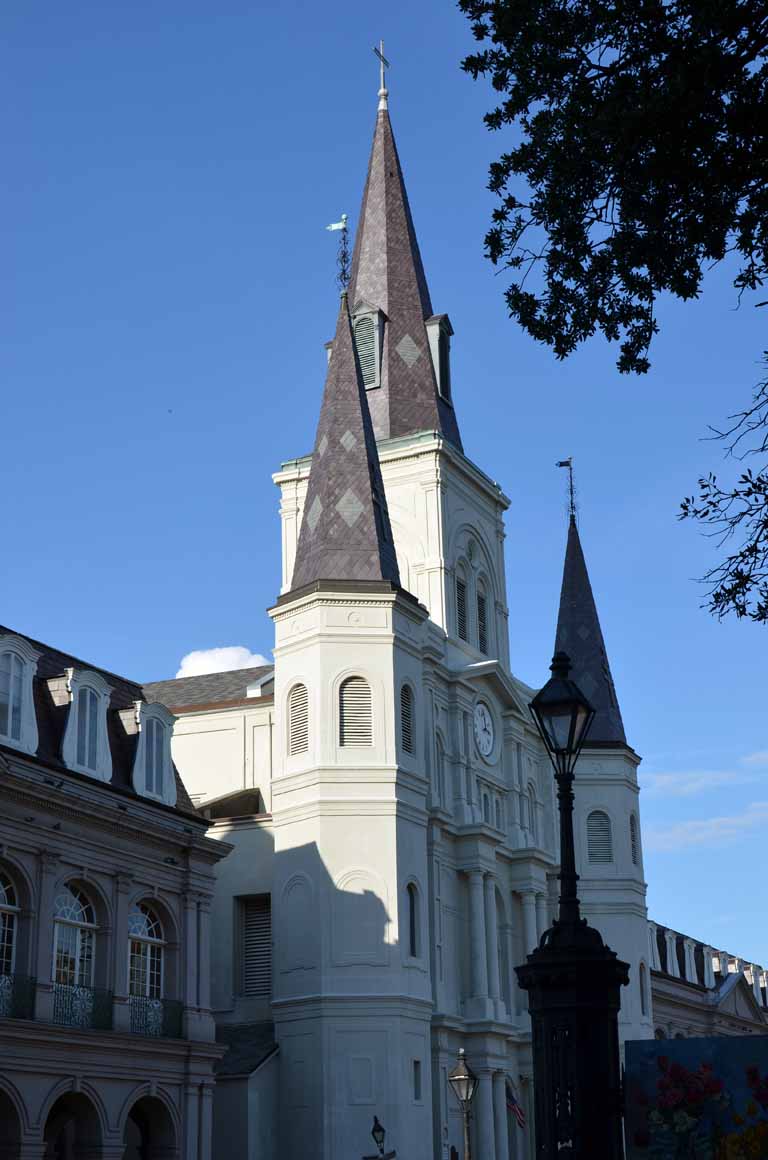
(571, 489)
(342, 258)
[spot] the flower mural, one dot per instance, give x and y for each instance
(698, 1099)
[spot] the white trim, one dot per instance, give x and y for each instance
(153, 711)
(28, 657)
(78, 679)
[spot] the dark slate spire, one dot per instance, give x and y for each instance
(345, 532)
(579, 635)
(387, 274)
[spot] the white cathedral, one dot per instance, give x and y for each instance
(388, 804)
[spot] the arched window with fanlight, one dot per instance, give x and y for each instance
(18, 720)
(298, 720)
(9, 911)
(599, 838)
(355, 713)
(74, 955)
(146, 976)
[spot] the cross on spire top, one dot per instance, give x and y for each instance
(383, 64)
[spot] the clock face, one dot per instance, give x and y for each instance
(483, 728)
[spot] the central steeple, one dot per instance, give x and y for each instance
(407, 346)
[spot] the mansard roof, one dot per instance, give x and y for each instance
(387, 272)
(345, 532)
(52, 717)
(580, 636)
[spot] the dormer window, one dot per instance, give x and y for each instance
(439, 331)
(368, 327)
(153, 774)
(86, 743)
(18, 722)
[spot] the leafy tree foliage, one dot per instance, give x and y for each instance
(638, 159)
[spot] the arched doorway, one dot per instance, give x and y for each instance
(149, 1132)
(72, 1130)
(10, 1129)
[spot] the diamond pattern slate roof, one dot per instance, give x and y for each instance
(580, 636)
(345, 533)
(248, 1045)
(387, 272)
(208, 688)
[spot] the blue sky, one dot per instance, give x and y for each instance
(167, 289)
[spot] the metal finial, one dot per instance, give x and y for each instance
(383, 64)
(571, 490)
(342, 259)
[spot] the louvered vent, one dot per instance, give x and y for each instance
(365, 342)
(461, 608)
(482, 623)
(406, 718)
(355, 714)
(599, 844)
(257, 945)
(298, 720)
(633, 837)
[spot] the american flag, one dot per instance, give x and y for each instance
(514, 1106)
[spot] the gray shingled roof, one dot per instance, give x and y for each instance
(249, 1044)
(387, 272)
(205, 689)
(580, 636)
(345, 532)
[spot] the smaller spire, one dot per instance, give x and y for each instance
(345, 531)
(383, 64)
(579, 634)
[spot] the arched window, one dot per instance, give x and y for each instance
(355, 712)
(87, 728)
(413, 920)
(643, 977)
(406, 718)
(659, 1033)
(74, 936)
(486, 809)
(145, 970)
(498, 815)
(599, 841)
(532, 818)
(9, 909)
(482, 619)
(154, 766)
(11, 695)
(365, 343)
(633, 838)
(461, 607)
(298, 720)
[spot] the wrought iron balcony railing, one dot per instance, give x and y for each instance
(86, 1007)
(158, 1017)
(17, 997)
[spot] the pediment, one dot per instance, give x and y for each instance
(502, 684)
(737, 998)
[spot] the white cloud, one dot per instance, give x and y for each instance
(219, 660)
(760, 758)
(692, 782)
(707, 831)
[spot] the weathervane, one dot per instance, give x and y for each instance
(383, 64)
(342, 260)
(571, 490)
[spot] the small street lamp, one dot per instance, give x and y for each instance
(463, 1083)
(572, 978)
(378, 1132)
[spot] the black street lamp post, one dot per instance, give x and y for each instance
(463, 1082)
(572, 978)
